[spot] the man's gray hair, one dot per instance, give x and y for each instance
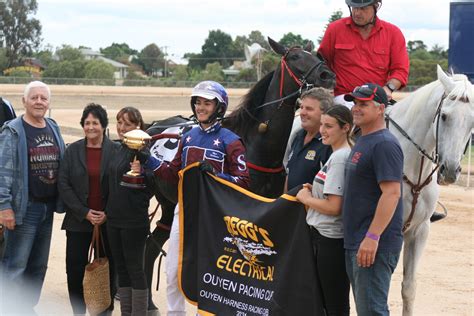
(36, 84)
(324, 96)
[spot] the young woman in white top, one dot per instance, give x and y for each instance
(324, 202)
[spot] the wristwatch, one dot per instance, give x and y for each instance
(391, 86)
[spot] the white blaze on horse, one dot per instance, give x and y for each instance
(434, 126)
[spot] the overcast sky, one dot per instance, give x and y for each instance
(183, 26)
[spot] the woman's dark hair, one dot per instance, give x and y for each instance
(343, 116)
(98, 112)
(133, 114)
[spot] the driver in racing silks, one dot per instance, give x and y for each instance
(219, 150)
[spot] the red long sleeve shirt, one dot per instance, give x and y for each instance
(380, 57)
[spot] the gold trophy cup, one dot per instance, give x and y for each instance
(135, 140)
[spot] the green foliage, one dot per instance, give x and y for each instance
(194, 61)
(439, 52)
(132, 75)
(269, 62)
(257, 37)
(195, 75)
(61, 69)
(71, 63)
(3, 59)
(45, 57)
(22, 33)
(67, 52)
(253, 37)
(423, 62)
(290, 39)
(180, 73)
(99, 69)
(151, 59)
(413, 46)
(336, 15)
(248, 75)
(20, 74)
(118, 51)
(219, 47)
(213, 72)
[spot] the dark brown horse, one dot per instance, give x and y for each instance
(263, 121)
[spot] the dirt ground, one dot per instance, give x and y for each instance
(445, 276)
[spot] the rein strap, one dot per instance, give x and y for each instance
(264, 169)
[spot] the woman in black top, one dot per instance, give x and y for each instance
(83, 188)
(127, 222)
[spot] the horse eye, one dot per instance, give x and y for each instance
(444, 116)
(294, 57)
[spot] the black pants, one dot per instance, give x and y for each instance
(330, 259)
(77, 247)
(128, 250)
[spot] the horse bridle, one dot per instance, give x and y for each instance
(416, 188)
(302, 84)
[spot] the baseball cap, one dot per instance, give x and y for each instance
(368, 92)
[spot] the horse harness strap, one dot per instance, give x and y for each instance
(263, 169)
(388, 120)
(416, 190)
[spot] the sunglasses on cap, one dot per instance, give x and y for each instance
(365, 91)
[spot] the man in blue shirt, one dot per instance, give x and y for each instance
(372, 207)
(308, 153)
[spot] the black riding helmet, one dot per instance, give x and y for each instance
(361, 3)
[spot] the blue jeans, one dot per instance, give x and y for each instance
(26, 257)
(371, 285)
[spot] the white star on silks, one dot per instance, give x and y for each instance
(216, 142)
(188, 139)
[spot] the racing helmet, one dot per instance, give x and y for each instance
(211, 90)
(361, 3)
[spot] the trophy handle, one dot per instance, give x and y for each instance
(131, 172)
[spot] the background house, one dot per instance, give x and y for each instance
(121, 70)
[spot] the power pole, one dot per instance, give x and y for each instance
(165, 54)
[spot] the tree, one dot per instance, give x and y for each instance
(61, 69)
(22, 32)
(248, 75)
(257, 37)
(99, 69)
(415, 45)
(67, 52)
(240, 42)
(118, 51)
(269, 62)
(152, 59)
(219, 47)
(213, 72)
(423, 62)
(336, 15)
(3, 59)
(45, 56)
(194, 61)
(180, 73)
(439, 52)
(290, 40)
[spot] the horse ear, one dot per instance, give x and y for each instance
(277, 47)
(309, 46)
(446, 81)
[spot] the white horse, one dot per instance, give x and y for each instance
(435, 124)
